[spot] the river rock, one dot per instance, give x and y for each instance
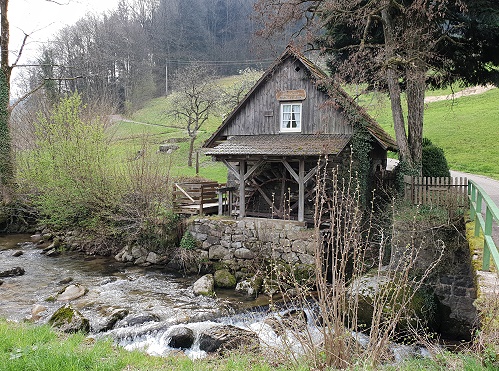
(250, 287)
(421, 309)
(69, 320)
(36, 310)
(72, 292)
(294, 320)
(16, 271)
(227, 337)
(224, 279)
(116, 315)
(141, 319)
(181, 338)
(152, 258)
(52, 252)
(205, 285)
(66, 280)
(36, 238)
(17, 253)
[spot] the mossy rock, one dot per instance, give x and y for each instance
(69, 320)
(421, 309)
(224, 279)
(204, 286)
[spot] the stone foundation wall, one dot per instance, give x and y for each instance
(453, 279)
(241, 244)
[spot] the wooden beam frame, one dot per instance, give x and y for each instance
(301, 178)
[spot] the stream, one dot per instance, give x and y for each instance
(158, 304)
(156, 301)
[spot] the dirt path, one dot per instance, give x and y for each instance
(463, 93)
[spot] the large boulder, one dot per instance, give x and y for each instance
(224, 279)
(181, 337)
(69, 320)
(205, 285)
(72, 292)
(13, 272)
(226, 338)
(416, 306)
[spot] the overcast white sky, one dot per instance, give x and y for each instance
(42, 19)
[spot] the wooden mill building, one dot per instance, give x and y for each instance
(273, 140)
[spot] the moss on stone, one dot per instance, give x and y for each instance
(224, 279)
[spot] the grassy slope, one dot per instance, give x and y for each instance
(466, 128)
(29, 347)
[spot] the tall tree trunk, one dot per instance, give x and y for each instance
(6, 166)
(191, 150)
(394, 90)
(398, 116)
(415, 111)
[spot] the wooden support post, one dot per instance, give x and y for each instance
(220, 202)
(242, 191)
(301, 191)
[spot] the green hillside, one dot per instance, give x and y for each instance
(467, 128)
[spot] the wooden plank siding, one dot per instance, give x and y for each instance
(317, 115)
(437, 191)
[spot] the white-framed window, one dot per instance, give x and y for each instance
(290, 117)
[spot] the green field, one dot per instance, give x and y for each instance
(467, 128)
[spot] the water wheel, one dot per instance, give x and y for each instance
(272, 192)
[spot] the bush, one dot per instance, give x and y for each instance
(188, 242)
(434, 163)
(67, 172)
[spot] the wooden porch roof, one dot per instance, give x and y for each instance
(281, 145)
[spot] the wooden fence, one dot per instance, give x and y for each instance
(443, 191)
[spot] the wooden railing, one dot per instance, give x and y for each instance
(196, 198)
(202, 198)
(484, 221)
(435, 191)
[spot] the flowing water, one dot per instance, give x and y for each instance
(156, 300)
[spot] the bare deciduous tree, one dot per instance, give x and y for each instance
(196, 97)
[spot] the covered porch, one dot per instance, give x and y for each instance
(274, 176)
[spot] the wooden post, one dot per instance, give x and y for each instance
(242, 191)
(301, 190)
(197, 163)
(220, 202)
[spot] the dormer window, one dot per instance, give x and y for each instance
(290, 117)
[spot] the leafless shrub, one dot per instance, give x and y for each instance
(334, 335)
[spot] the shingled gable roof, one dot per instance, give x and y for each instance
(323, 81)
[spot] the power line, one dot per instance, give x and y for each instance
(220, 63)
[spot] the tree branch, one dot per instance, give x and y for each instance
(38, 87)
(19, 54)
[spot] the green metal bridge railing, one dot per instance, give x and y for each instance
(484, 221)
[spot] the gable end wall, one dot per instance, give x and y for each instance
(260, 114)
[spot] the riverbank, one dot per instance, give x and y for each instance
(29, 347)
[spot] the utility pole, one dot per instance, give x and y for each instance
(166, 77)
